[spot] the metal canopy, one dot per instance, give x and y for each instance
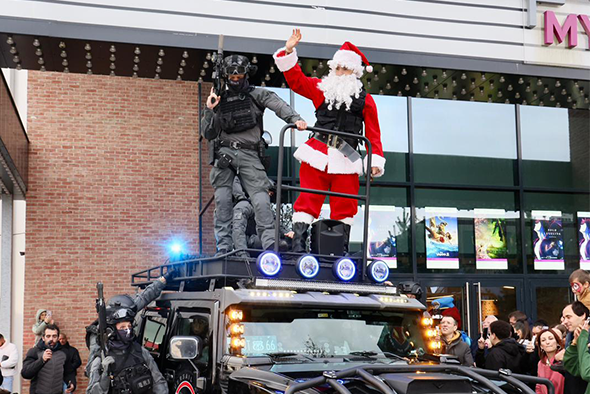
(58, 54)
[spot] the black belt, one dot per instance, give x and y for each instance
(334, 141)
(237, 145)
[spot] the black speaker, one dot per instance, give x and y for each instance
(327, 237)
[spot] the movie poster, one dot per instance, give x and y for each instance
(442, 242)
(382, 234)
(584, 239)
(491, 249)
(548, 241)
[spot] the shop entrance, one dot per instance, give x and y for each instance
(548, 298)
(473, 300)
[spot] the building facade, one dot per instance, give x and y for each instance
(484, 112)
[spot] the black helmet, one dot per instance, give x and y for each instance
(238, 65)
(118, 315)
(120, 301)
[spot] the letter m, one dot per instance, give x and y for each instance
(554, 29)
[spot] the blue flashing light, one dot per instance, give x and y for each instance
(176, 248)
(268, 263)
(378, 271)
(308, 266)
(344, 269)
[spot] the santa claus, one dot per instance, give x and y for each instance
(329, 162)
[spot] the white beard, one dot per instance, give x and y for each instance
(340, 89)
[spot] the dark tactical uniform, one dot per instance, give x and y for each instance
(235, 126)
(243, 233)
(127, 367)
(133, 367)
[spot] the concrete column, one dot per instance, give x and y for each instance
(6, 267)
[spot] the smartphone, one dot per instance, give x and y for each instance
(48, 314)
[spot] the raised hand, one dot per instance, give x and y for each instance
(293, 40)
(212, 100)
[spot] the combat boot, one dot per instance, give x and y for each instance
(300, 237)
(346, 237)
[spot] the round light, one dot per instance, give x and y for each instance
(269, 264)
(378, 271)
(344, 269)
(308, 266)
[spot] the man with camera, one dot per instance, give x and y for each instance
(232, 121)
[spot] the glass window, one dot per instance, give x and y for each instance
(273, 124)
(446, 238)
(464, 142)
(550, 301)
(555, 147)
(393, 122)
(561, 211)
(326, 332)
(153, 334)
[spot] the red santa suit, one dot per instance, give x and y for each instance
(323, 167)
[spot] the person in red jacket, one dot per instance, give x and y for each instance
(549, 342)
(331, 162)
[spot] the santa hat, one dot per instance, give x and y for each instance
(352, 58)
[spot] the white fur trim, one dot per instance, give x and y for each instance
(376, 161)
(340, 164)
(302, 217)
(314, 158)
(287, 62)
(347, 59)
(369, 69)
(349, 221)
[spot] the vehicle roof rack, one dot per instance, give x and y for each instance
(195, 272)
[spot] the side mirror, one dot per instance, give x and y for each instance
(267, 137)
(185, 348)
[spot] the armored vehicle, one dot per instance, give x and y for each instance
(288, 323)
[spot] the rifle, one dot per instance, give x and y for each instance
(217, 76)
(217, 60)
(102, 319)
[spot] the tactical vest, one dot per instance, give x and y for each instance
(237, 112)
(130, 373)
(350, 121)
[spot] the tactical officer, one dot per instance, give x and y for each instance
(128, 367)
(135, 303)
(233, 122)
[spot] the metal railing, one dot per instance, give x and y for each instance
(366, 197)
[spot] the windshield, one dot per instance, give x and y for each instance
(331, 332)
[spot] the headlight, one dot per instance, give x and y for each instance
(308, 266)
(344, 269)
(378, 271)
(269, 263)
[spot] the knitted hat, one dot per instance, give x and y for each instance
(350, 57)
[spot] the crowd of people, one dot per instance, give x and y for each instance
(559, 353)
(51, 364)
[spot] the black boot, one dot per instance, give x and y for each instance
(300, 237)
(346, 238)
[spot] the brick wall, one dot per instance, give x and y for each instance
(113, 176)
